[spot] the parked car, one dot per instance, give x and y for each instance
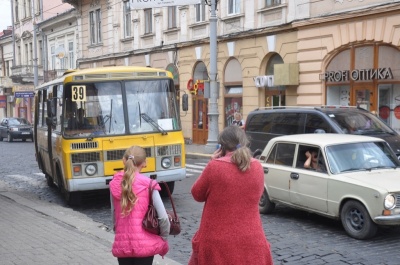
(264, 124)
(355, 179)
(16, 128)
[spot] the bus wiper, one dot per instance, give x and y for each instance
(153, 123)
(109, 128)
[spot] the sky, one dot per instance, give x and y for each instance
(5, 14)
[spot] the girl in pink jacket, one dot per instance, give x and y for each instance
(130, 199)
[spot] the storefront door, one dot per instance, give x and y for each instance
(363, 96)
(200, 120)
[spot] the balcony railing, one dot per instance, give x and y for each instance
(22, 70)
(52, 74)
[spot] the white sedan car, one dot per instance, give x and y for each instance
(352, 178)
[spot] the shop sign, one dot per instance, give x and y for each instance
(22, 88)
(138, 4)
(358, 75)
(3, 102)
(26, 94)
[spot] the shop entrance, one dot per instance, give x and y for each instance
(200, 120)
(363, 96)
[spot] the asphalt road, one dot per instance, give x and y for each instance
(296, 237)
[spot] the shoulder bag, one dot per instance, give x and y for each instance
(150, 221)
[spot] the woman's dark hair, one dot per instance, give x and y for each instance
(234, 139)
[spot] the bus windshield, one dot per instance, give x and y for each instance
(146, 106)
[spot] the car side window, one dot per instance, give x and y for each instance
(315, 122)
(310, 157)
(282, 154)
(260, 122)
(288, 123)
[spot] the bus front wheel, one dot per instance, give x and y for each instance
(164, 192)
(49, 181)
(73, 198)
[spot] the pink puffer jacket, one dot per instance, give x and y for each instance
(131, 240)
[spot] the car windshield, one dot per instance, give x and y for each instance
(360, 156)
(361, 123)
(19, 121)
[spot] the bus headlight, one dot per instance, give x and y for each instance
(390, 202)
(91, 169)
(166, 162)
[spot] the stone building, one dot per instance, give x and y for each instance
(269, 52)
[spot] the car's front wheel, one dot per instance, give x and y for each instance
(9, 137)
(356, 220)
(265, 205)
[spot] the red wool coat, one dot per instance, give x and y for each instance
(230, 231)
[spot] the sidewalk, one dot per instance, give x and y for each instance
(38, 232)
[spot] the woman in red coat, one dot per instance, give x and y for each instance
(231, 186)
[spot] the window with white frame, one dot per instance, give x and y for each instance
(171, 17)
(53, 57)
(95, 26)
(148, 21)
(71, 55)
(16, 11)
(40, 55)
(19, 55)
(37, 8)
(26, 61)
(200, 11)
(61, 56)
(27, 8)
(30, 53)
(233, 7)
(269, 3)
(127, 19)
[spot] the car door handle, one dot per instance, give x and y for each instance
(294, 176)
(266, 170)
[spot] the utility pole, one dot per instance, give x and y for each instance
(213, 102)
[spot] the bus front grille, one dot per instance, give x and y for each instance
(118, 154)
(85, 157)
(85, 145)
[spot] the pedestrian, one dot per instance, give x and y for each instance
(130, 199)
(231, 186)
(238, 120)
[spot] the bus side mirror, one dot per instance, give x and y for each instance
(51, 119)
(185, 102)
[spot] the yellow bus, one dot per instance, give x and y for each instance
(85, 120)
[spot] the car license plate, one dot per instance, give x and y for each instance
(25, 133)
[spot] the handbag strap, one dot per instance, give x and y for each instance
(151, 188)
(170, 197)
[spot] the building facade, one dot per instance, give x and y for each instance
(28, 56)
(269, 52)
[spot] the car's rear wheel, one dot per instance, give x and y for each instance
(356, 220)
(9, 137)
(265, 205)
(1, 139)
(23, 140)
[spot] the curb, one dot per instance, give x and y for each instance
(198, 156)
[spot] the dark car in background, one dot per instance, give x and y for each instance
(16, 128)
(263, 124)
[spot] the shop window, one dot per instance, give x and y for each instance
(338, 95)
(233, 103)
